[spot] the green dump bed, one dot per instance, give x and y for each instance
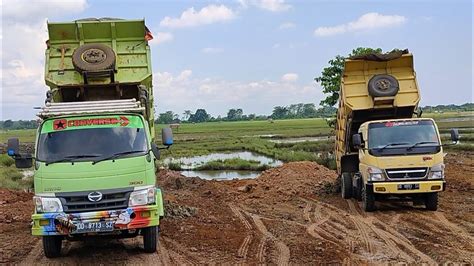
(125, 37)
(100, 60)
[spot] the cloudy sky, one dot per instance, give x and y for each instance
(248, 54)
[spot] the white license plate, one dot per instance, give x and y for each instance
(408, 186)
(87, 227)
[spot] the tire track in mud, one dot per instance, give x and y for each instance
(244, 247)
(362, 228)
(315, 229)
(283, 252)
(391, 237)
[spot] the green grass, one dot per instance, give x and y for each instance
(10, 177)
(233, 164)
(25, 135)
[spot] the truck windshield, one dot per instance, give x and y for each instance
(90, 144)
(403, 137)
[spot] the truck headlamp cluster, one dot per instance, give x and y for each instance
(47, 204)
(436, 172)
(375, 174)
(142, 197)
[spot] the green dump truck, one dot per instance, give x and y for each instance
(94, 161)
(384, 149)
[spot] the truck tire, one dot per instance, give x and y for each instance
(431, 201)
(150, 239)
(368, 200)
(346, 185)
(93, 57)
(52, 246)
(357, 191)
(383, 85)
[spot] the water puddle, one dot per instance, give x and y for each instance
(301, 139)
(221, 175)
(189, 164)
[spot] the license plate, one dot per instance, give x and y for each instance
(408, 186)
(88, 227)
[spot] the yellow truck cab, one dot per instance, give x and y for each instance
(384, 149)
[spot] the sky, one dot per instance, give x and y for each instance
(248, 54)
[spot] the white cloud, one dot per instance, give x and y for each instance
(218, 95)
(269, 5)
(27, 10)
(207, 15)
(24, 33)
(365, 22)
(212, 50)
(289, 77)
(161, 37)
(276, 46)
(286, 25)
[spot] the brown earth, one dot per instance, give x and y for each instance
(288, 215)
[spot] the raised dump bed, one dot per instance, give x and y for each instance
(99, 60)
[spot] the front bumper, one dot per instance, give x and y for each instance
(393, 187)
(61, 223)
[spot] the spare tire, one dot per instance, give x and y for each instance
(383, 85)
(93, 57)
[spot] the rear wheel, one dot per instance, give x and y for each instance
(52, 246)
(346, 185)
(431, 201)
(150, 238)
(368, 199)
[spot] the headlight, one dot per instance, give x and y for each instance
(44, 204)
(142, 197)
(375, 174)
(436, 172)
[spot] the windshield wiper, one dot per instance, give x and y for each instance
(391, 145)
(421, 143)
(71, 158)
(115, 155)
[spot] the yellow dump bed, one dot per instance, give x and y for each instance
(358, 105)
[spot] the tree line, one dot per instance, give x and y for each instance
(293, 111)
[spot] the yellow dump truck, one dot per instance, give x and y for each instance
(384, 149)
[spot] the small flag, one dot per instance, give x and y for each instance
(148, 35)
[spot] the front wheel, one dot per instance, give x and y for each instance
(150, 238)
(431, 201)
(52, 246)
(346, 185)
(368, 199)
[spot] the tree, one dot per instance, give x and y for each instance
(200, 116)
(7, 124)
(330, 78)
(166, 118)
(235, 114)
(309, 110)
(279, 112)
(186, 114)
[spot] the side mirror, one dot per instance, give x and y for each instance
(155, 150)
(454, 134)
(356, 141)
(167, 136)
(21, 160)
(13, 147)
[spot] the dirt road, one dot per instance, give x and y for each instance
(289, 215)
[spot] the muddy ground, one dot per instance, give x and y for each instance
(288, 215)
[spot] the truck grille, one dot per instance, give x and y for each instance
(407, 173)
(79, 202)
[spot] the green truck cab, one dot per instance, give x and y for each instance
(94, 160)
(384, 149)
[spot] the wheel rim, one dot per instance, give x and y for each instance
(93, 56)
